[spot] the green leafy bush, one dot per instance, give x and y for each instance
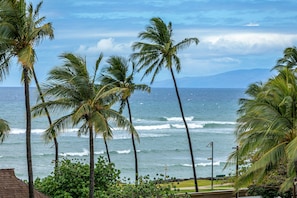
(270, 185)
(71, 179)
(267, 191)
(155, 188)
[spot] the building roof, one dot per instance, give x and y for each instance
(12, 187)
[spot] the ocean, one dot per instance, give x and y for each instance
(163, 146)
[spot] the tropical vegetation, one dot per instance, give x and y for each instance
(70, 88)
(78, 172)
(107, 183)
(267, 118)
(160, 51)
(116, 75)
(4, 129)
(266, 132)
(21, 29)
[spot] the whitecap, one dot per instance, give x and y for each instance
(203, 164)
(153, 127)
(179, 119)
(190, 125)
(84, 153)
(17, 131)
(209, 164)
(99, 152)
(148, 135)
(124, 151)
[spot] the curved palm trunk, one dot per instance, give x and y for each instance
(133, 143)
(295, 179)
(92, 164)
(28, 131)
(107, 150)
(49, 119)
(187, 129)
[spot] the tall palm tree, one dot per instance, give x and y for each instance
(161, 51)
(267, 128)
(70, 87)
(21, 29)
(116, 75)
(4, 129)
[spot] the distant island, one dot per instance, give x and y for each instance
(231, 79)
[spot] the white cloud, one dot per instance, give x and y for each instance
(248, 43)
(107, 46)
(94, 33)
(226, 60)
(252, 25)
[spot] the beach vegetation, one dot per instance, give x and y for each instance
(21, 29)
(266, 132)
(70, 88)
(157, 50)
(116, 74)
(71, 179)
(4, 129)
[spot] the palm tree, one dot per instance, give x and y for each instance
(289, 60)
(267, 128)
(70, 87)
(4, 129)
(116, 75)
(161, 51)
(21, 29)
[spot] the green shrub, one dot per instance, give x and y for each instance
(156, 188)
(267, 191)
(71, 179)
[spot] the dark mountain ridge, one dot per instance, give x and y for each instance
(231, 79)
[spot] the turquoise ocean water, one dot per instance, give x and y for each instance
(163, 146)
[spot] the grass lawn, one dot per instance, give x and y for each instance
(204, 185)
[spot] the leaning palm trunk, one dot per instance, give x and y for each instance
(49, 119)
(187, 129)
(133, 143)
(294, 181)
(92, 175)
(28, 131)
(107, 150)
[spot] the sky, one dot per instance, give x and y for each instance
(233, 34)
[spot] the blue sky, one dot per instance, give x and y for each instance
(233, 34)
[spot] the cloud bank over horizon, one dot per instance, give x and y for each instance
(233, 35)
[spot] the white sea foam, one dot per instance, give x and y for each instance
(203, 164)
(124, 151)
(217, 122)
(148, 135)
(40, 131)
(209, 163)
(85, 152)
(153, 127)
(190, 125)
(99, 152)
(17, 131)
(179, 119)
